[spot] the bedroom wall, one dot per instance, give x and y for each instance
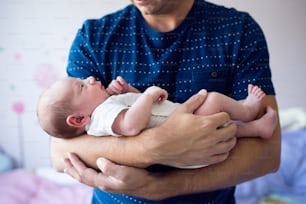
(35, 37)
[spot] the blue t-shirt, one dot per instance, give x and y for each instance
(215, 48)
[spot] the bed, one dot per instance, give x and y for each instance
(41, 186)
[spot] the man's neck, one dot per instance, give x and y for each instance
(170, 21)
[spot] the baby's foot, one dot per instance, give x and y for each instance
(269, 122)
(255, 90)
(253, 101)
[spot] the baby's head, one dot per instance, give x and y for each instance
(65, 108)
(54, 106)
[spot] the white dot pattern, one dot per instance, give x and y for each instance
(109, 198)
(215, 48)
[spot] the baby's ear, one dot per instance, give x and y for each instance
(76, 120)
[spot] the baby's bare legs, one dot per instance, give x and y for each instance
(263, 127)
(245, 110)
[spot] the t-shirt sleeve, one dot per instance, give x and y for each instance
(81, 60)
(252, 60)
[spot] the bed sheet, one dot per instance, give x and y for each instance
(24, 187)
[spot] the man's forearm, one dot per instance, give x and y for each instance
(251, 158)
(123, 150)
(80, 145)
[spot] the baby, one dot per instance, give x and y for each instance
(71, 107)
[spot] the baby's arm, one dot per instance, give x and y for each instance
(133, 120)
(120, 86)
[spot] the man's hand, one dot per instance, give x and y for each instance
(189, 139)
(111, 177)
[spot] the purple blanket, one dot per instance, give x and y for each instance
(288, 182)
(21, 187)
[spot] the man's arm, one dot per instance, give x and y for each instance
(251, 157)
(179, 144)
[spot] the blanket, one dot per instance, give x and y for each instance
(288, 183)
(23, 187)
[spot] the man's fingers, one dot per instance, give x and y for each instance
(220, 151)
(102, 164)
(112, 178)
(225, 146)
(193, 102)
(71, 170)
(220, 120)
(79, 171)
(75, 161)
(108, 167)
(217, 158)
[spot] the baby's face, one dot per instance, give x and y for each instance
(86, 94)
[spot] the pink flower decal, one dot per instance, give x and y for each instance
(45, 75)
(18, 107)
(18, 56)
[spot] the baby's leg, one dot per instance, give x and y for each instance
(262, 127)
(243, 111)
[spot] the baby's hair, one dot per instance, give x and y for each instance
(59, 112)
(52, 116)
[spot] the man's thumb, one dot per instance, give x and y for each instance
(194, 102)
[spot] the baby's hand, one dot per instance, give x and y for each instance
(117, 86)
(158, 94)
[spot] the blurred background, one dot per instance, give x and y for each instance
(35, 37)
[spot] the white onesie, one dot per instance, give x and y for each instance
(105, 114)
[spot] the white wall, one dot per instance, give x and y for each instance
(284, 25)
(35, 37)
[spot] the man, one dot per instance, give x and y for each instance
(182, 46)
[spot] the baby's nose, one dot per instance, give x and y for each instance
(91, 80)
